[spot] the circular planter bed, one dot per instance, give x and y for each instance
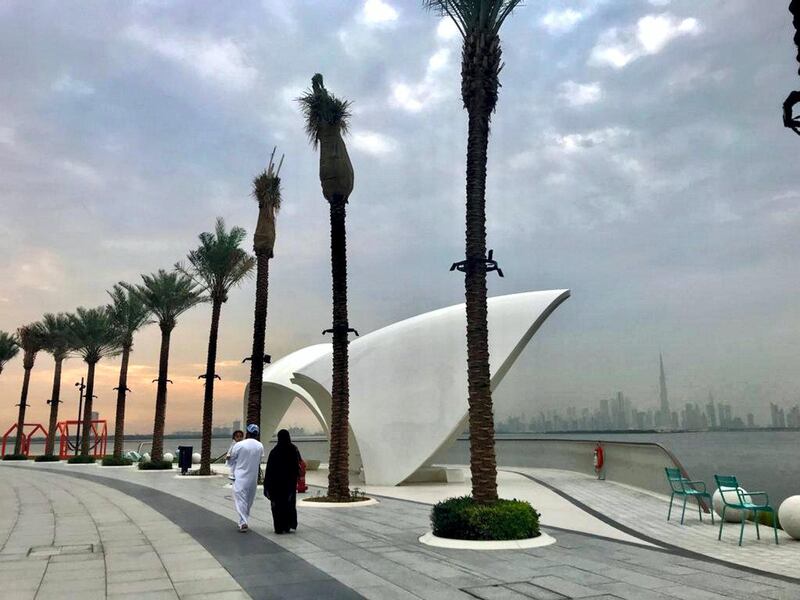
(81, 460)
(536, 542)
(15, 457)
(159, 466)
(313, 502)
(47, 458)
(195, 475)
(463, 519)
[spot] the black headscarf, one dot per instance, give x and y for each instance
(283, 467)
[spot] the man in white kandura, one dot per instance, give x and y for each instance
(245, 460)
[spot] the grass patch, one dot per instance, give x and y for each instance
(356, 495)
(81, 460)
(14, 457)
(464, 519)
(113, 461)
(47, 458)
(155, 465)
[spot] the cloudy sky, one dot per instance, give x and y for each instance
(637, 157)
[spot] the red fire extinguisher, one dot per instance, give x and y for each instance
(301, 478)
(598, 461)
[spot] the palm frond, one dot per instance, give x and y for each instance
(267, 185)
(128, 312)
(167, 295)
(94, 333)
(219, 263)
(58, 339)
(321, 108)
(9, 347)
(474, 15)
(31, 337)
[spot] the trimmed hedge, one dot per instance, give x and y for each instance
(14, 457)
(81, 460)
(155, 465)
(112, 461)
(464, 519)
(46, 458)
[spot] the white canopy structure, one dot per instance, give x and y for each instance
(408, 382)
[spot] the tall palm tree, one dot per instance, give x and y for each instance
(479, 22)
(58, 342)
(326, 120)
(129, 314)
(31, 340)
(267, 192)
(9, 348)
(217, 265)
(95, 337)
(167, 295)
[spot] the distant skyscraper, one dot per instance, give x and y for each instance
(664, 412)
(711, 412)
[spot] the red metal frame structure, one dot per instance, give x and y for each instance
(26, 439)
(97, 444)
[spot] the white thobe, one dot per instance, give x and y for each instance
(245, 461)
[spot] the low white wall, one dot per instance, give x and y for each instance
(640, 464)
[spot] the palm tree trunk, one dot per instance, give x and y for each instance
(54, 402)
(87, 410)
(480, 65)
(122, 390)
(23, 403)
(208, 399)
(157, 452)
(338, 473)
(259, 333)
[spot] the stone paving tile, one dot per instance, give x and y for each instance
(375, 551)
(55, 515)
(533, 591)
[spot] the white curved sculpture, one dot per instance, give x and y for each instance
(731, 514)
(196, 458)
(408, 382)
(168, 457)
(789, 516)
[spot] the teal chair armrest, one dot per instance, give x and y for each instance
(701, 486)
(751, 494)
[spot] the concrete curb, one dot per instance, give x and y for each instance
(538, 542)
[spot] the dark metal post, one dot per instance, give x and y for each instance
(80, 387)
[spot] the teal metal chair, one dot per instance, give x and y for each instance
(681, 486)
(735, 497)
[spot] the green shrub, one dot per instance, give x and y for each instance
(112, 461)
(155, 465)
(81, 460)
(464, 519)
(14, 457)
(47, 458)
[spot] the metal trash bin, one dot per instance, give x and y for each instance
(184, 458)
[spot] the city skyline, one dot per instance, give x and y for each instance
(620, 414)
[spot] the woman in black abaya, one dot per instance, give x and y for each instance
(280, 482)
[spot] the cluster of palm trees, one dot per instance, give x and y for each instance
(219, 264)
(209, 273)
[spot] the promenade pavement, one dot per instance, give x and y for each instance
(368, 552)
(646, 513)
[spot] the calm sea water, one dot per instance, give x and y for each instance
(762, 460)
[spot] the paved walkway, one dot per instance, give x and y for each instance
(646, 513)
(369, 552)
(63, 539)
